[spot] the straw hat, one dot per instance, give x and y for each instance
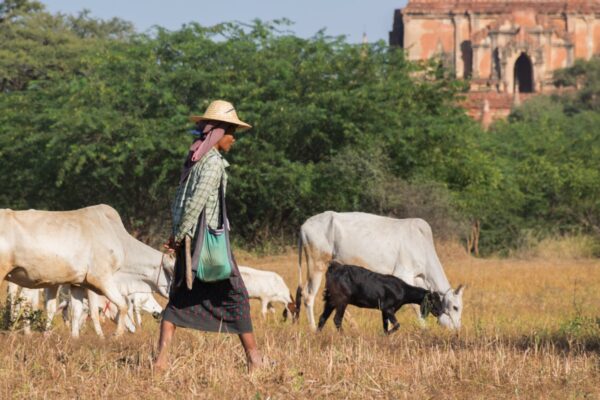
(221, 110)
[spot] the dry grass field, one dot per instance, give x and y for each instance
(531, 329)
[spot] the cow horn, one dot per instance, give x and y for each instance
(459, 289)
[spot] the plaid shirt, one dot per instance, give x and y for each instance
(199, 191)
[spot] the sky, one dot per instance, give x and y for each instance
(351, 18)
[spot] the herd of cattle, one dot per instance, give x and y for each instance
(104, 272)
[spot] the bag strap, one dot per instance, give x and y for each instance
(222, 208)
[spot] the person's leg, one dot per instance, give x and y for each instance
(253, 355)
(167, 329)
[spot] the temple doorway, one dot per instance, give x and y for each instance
(524, 74)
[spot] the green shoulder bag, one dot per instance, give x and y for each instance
(215, 263)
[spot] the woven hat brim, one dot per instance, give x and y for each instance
(241, 125)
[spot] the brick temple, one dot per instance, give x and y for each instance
(508, 49)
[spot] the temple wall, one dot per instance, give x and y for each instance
(524, 17)
(465, 29)
(597, 38)
(558, 31)
(559, 58)
(578, 27)
(484, 64)
(423, 37)
(559, 23)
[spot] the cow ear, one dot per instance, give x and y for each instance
(459, 290)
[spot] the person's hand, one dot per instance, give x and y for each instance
(171, 246)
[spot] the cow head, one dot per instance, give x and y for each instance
(452, 306)
(432, 303)
(290, 308)
(149, 305)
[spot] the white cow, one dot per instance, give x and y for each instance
(87, 248)
(268, 287)
(76, 309)
(400, 247)
(97, 306)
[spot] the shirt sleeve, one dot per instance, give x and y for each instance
(207, 180)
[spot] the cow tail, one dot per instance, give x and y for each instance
(299, 289)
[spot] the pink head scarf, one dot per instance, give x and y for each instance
(212, 132)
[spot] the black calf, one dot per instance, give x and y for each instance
(349, 284)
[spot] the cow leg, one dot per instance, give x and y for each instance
(264, 304)
(286, 311)
(24, 309)
(77, 295)
(94, 305)
(66, 310)
(312, 287)
(5, 264)
(85, 310)
(129, 321)
(395, 325)
(137, 310)
(110, 290)
(325, 316)
(32, 300)
(64, 299)
(12, 297)
(339, 316)
(51, 295)
(35, 299)
(385, 322)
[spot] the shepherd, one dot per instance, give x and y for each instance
(208, 293)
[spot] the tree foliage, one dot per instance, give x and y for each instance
(93, 112)
(550, 148)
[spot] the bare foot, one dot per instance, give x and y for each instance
(256, 361)
(160, 365)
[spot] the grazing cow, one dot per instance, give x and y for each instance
(98, 305)
(400, 247)
(268, 287)
(24, 300)
(140, 300)
(76, 308)
(349, 284)
(85, 248)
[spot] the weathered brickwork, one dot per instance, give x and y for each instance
(505, 47)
